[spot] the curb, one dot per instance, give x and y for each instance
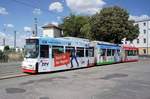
(13, 76)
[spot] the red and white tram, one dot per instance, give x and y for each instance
(129, 53)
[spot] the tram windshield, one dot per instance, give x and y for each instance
(31, 49)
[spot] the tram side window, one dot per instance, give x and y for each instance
(135, 52)
(70, 50)
(108, 52)
(130, 53)
(113, 52)
(103, 52)
(57, 50)
(89, 52)
(80, 52)
(118, 52)
(44, 51)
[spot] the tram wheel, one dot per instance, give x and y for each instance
(36, 68)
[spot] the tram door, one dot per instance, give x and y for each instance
(101, 56)
(45, 58)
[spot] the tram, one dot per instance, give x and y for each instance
(45, 54)
(107, 53)
(129, 53)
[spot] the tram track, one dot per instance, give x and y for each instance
(9, 76)
(14, 76)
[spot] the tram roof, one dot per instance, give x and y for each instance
(104, 43)
(76, 39)
(70, 41)
(107, 45)
(129, 47)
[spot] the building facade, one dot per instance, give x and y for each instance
(143, 40)
(51, 30)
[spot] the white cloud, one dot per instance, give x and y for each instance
(37, 11)
(9, 25)
(3, 11)
(56, 6)
(136, 18)
(55, 23)
(2, 35)
(85, 6)
(52, 22)
(27, 29)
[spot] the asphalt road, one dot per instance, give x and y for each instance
(118, 81)
(8, 69)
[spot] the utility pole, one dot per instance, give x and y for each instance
(35, 24)
(14, 39)
(3, 41)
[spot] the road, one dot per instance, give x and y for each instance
(10, 69)
(118, 81)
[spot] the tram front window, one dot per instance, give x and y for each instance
(31, 51)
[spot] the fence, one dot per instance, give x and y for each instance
(9, 56)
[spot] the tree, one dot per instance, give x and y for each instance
(73, 25)
(86, 31)
(1, 55)
(6, 48)
(133, 31)
(112, 24)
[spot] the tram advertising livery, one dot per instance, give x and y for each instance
(45, 54)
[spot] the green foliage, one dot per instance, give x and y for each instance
(112, 25)
(10, 54)
(1, 54)
(86, 31)
(133, 31)
(6, 48)
(3, 57)
(72, 25)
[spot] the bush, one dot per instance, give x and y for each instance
(3, 57)
(9, 56)
(15, 56)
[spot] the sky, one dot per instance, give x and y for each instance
(18, 15)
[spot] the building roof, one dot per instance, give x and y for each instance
(142, 20)
(51, 26)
